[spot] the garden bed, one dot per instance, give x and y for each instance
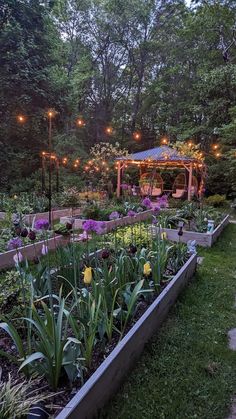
(202, 239)
(107, 378)
(112, 224)
(31, 251)
(56, 214)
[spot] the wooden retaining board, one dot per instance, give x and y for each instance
(202, 239)
(113, 224)
(56, 214)
(107, 378)
(32, 250)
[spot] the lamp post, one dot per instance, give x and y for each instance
(50, 116)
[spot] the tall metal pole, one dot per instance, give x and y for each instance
(50, 169)
(57, 175)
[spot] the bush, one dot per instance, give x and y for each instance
(216, 200)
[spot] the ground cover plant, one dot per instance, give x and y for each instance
(75, 305)
(187, 370)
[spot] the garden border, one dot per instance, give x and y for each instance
(56, 214)
(112, 224)
(109, 375)
(30, 251)
(202, 239)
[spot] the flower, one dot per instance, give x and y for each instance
(24, 232)
(90, 225)
(44, 250)
(157, 209)
(32, 235)
(83, 236)
(147, 268)
(131, 213)
(87, 275)
(154, 220)
(147, 203)
(163, 201)
(18, 231)
(105, 254)
(124, 186)
(114, 215)
(100, 227)
(18, 258)
(163, 235)
(14, 243)
(41, 224)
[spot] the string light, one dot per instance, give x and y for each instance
(217, 154)
(190, 143)
(21, 119)
(108, 130)
(80, 122)
(164, 141)
(215, 146)
(64, 160)
(137, 136)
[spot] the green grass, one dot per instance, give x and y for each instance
(187, 370)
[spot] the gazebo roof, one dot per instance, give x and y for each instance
(159, 154)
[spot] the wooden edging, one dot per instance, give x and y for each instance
(30, 251)
(202, 239)
(56, 214)
(111, 225)
(108, 377)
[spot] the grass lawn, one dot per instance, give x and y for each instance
(187, 371)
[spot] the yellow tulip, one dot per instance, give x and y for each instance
(163, 235)
(147, 269)
(87, 275)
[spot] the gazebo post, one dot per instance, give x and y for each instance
(190, 178)
(118, 180)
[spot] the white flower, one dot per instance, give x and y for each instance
(18, 258)
(44, 250)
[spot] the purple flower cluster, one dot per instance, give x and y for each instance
(162, 201)
(41, 224)
(114, 215)
(98, 227)
(14, 243)
(131, 213)
(147, 203)
(124, 186)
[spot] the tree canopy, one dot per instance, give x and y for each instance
(156, 67)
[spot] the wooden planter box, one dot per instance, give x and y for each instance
(56, 214)
(111, 225)
(108, 377)
(32, 250)
(202, 239)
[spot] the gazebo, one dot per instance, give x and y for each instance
(164, 157)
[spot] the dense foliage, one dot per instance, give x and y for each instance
(155, 67)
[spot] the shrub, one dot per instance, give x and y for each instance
(216, 200)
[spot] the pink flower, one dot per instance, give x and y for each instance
(18, 258)
(44, 250)
(131, 213)
(114, 215)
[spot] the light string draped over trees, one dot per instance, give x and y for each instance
(133, 72)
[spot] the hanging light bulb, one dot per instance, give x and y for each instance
(164, 141)
(137, 136)
(21, 119)
(108, 130)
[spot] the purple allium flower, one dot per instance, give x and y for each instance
(44, 250)
(156, 209)
(89, 225)
(163, 201)
(32, 235)
(131, 213)
(41, 224)
(114, 215)
(105, 254)
(24, 232)
(124, 186)
(14, 243)
(18, 258)
(147, 203)
(154, 220)
(100, 227)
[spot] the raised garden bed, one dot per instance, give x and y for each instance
(56, 214)
(32, 250)
(202, 239)
(113, 224)
(109, 375)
